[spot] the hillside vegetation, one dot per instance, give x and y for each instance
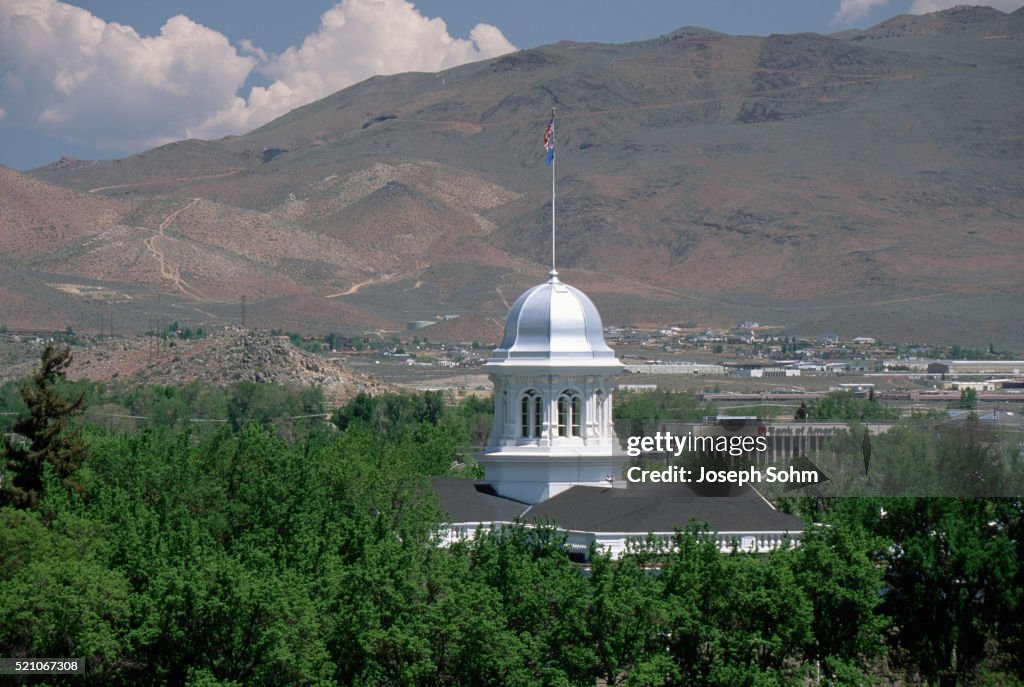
(273, 549)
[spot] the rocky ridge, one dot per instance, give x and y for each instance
(225, 357)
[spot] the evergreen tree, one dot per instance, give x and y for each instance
(44, 435)
(968, 399)
(865, 447)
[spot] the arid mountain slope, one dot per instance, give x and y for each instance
(37, 217)
(868, 181)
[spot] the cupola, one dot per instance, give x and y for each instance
(553, 376)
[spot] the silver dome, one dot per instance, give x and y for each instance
(554, 321)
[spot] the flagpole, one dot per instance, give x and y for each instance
(553, 272)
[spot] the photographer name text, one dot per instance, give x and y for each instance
(701, 475)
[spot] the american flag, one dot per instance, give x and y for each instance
(549, 140)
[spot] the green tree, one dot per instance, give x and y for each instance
(544, 601)
(968, 399)
(637, 413)
(477, 416)
(953, 574)
(733, 618)
(843, 405)
(57, 595)
(44, 437)
(391, 415)
(838, 568)
(865, 448)
(628, 618)
(923, 457)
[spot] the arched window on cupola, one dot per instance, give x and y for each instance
(531, 415)
(570, 413)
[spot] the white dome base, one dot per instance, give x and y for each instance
(533, 479)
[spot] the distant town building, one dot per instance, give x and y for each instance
(637, 387)
(976, 367)
(767, 372)
(676, 369)
(975, 386)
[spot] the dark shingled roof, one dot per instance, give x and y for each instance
(660, 509)
(466, 500)
(633, 509)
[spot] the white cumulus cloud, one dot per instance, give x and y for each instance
(357, 39)
(851, 11)
(65, 72)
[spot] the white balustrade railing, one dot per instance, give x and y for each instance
(617, 543)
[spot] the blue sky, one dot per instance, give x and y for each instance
(526, 23)
(106, 78)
